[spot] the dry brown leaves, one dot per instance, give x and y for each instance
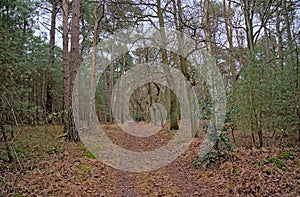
(67, 172)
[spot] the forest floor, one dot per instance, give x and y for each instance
(49, 166)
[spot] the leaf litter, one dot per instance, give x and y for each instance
(53, 167)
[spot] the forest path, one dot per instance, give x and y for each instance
(53, 167)
(179, 178)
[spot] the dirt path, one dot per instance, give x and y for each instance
(126, 181)
(177, 179)
(70, 170)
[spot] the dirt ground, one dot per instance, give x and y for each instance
(47, 166)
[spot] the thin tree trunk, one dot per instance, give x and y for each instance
(44, 99)
(111, 82)
(297, 110)
(49, 100)
(248, 9)
(229, 33)
(122, 92)
(92, 81)
(49, 87)
(106, 92)
(279, 36)
(259, 130)
(252, 115)
(207, 26)
(287, 23)
(66, 80)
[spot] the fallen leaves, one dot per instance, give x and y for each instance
(69, 171)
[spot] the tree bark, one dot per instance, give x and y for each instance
(49, 97)
(229, 34)
(279, 36)
(297, 113)
(248, 9)
(287, 24)
(92, 81)
(173, 99)
(185, 70)
(74, 66)
(111, 81)
(207, 26)
(66, 82)
(7, 146)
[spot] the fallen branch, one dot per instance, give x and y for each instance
(62, 135)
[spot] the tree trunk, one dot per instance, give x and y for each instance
(279, 36)
(111, 82)
(248, 9)
(296, 94)
(259, 130)
(229, 34)
(49, 99)
(66, 81)
(173, 99)
(7, 146)
(288, 24)
(49, 87)
(207, 26)
(185, 71)
(74, 66)
(92, 81)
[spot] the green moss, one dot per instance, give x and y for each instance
(84, 167)
(279, 163)
(21, 151)
(297, 163)
(286, 155)
(236, 170)
(89, 155)
(82, 148)
(258, 162)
